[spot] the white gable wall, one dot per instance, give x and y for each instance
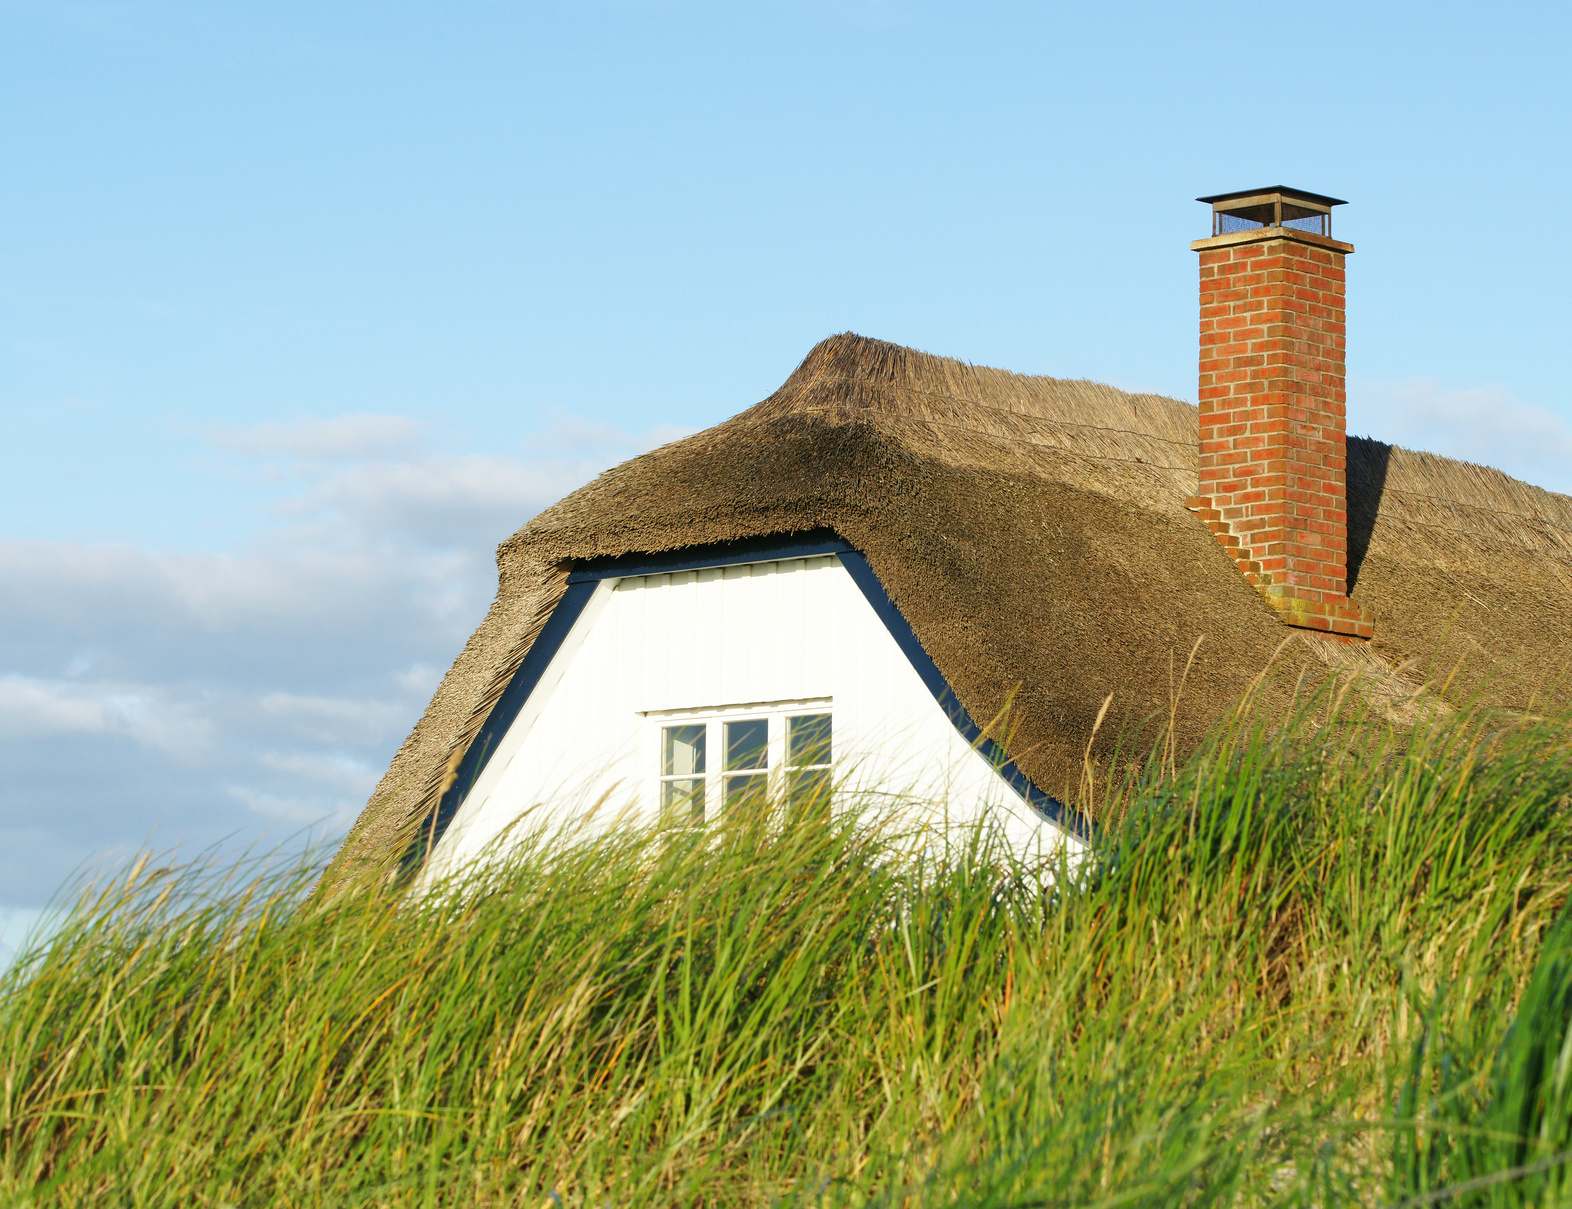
(770, 636)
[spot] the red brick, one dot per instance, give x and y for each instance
(1273, 453)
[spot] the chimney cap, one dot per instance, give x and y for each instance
(1301, 194)
(1279, 207)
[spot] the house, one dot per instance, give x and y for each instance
(934, 574)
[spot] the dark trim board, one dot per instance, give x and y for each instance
(581, 586)
(536, 660)
(1045, 804)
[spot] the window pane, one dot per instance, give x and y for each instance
(746, 790)
(808, 740)
(682, 799)
(808, 794)
(683, 751)
(747, 744)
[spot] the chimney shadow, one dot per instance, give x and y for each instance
(1368, 462)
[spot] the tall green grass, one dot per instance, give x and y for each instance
(1309, 966)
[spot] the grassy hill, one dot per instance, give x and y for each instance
(1314, 965)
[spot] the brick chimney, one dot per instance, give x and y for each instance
(1273, 425)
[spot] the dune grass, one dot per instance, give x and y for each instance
(1289, 976)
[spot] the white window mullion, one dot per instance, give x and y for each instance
(777, 757)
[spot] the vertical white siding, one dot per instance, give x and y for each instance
(755, 634)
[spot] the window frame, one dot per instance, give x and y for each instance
(714, 719)
(665, 778)
(821, 772)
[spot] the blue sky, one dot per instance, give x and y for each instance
(304, 307)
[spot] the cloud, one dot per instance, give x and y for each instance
(374, 477)
(315, 815)
(338, 719)
(31, 709)
(435, 499)
(1484, 424)
(194, 698)
(337, 438)
(596, 440)
(296, 600)
(420, 678)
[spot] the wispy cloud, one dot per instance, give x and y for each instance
(336, 438)
(1483, 424)
(435, 499)
(198, 698)
(369, 476)
(338, 719)
(33, 708)
(569, 435)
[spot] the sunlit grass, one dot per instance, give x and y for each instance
(1285, 977)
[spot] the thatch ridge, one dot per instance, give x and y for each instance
(1033, 531)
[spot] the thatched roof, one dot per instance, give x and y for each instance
(1033, 532)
